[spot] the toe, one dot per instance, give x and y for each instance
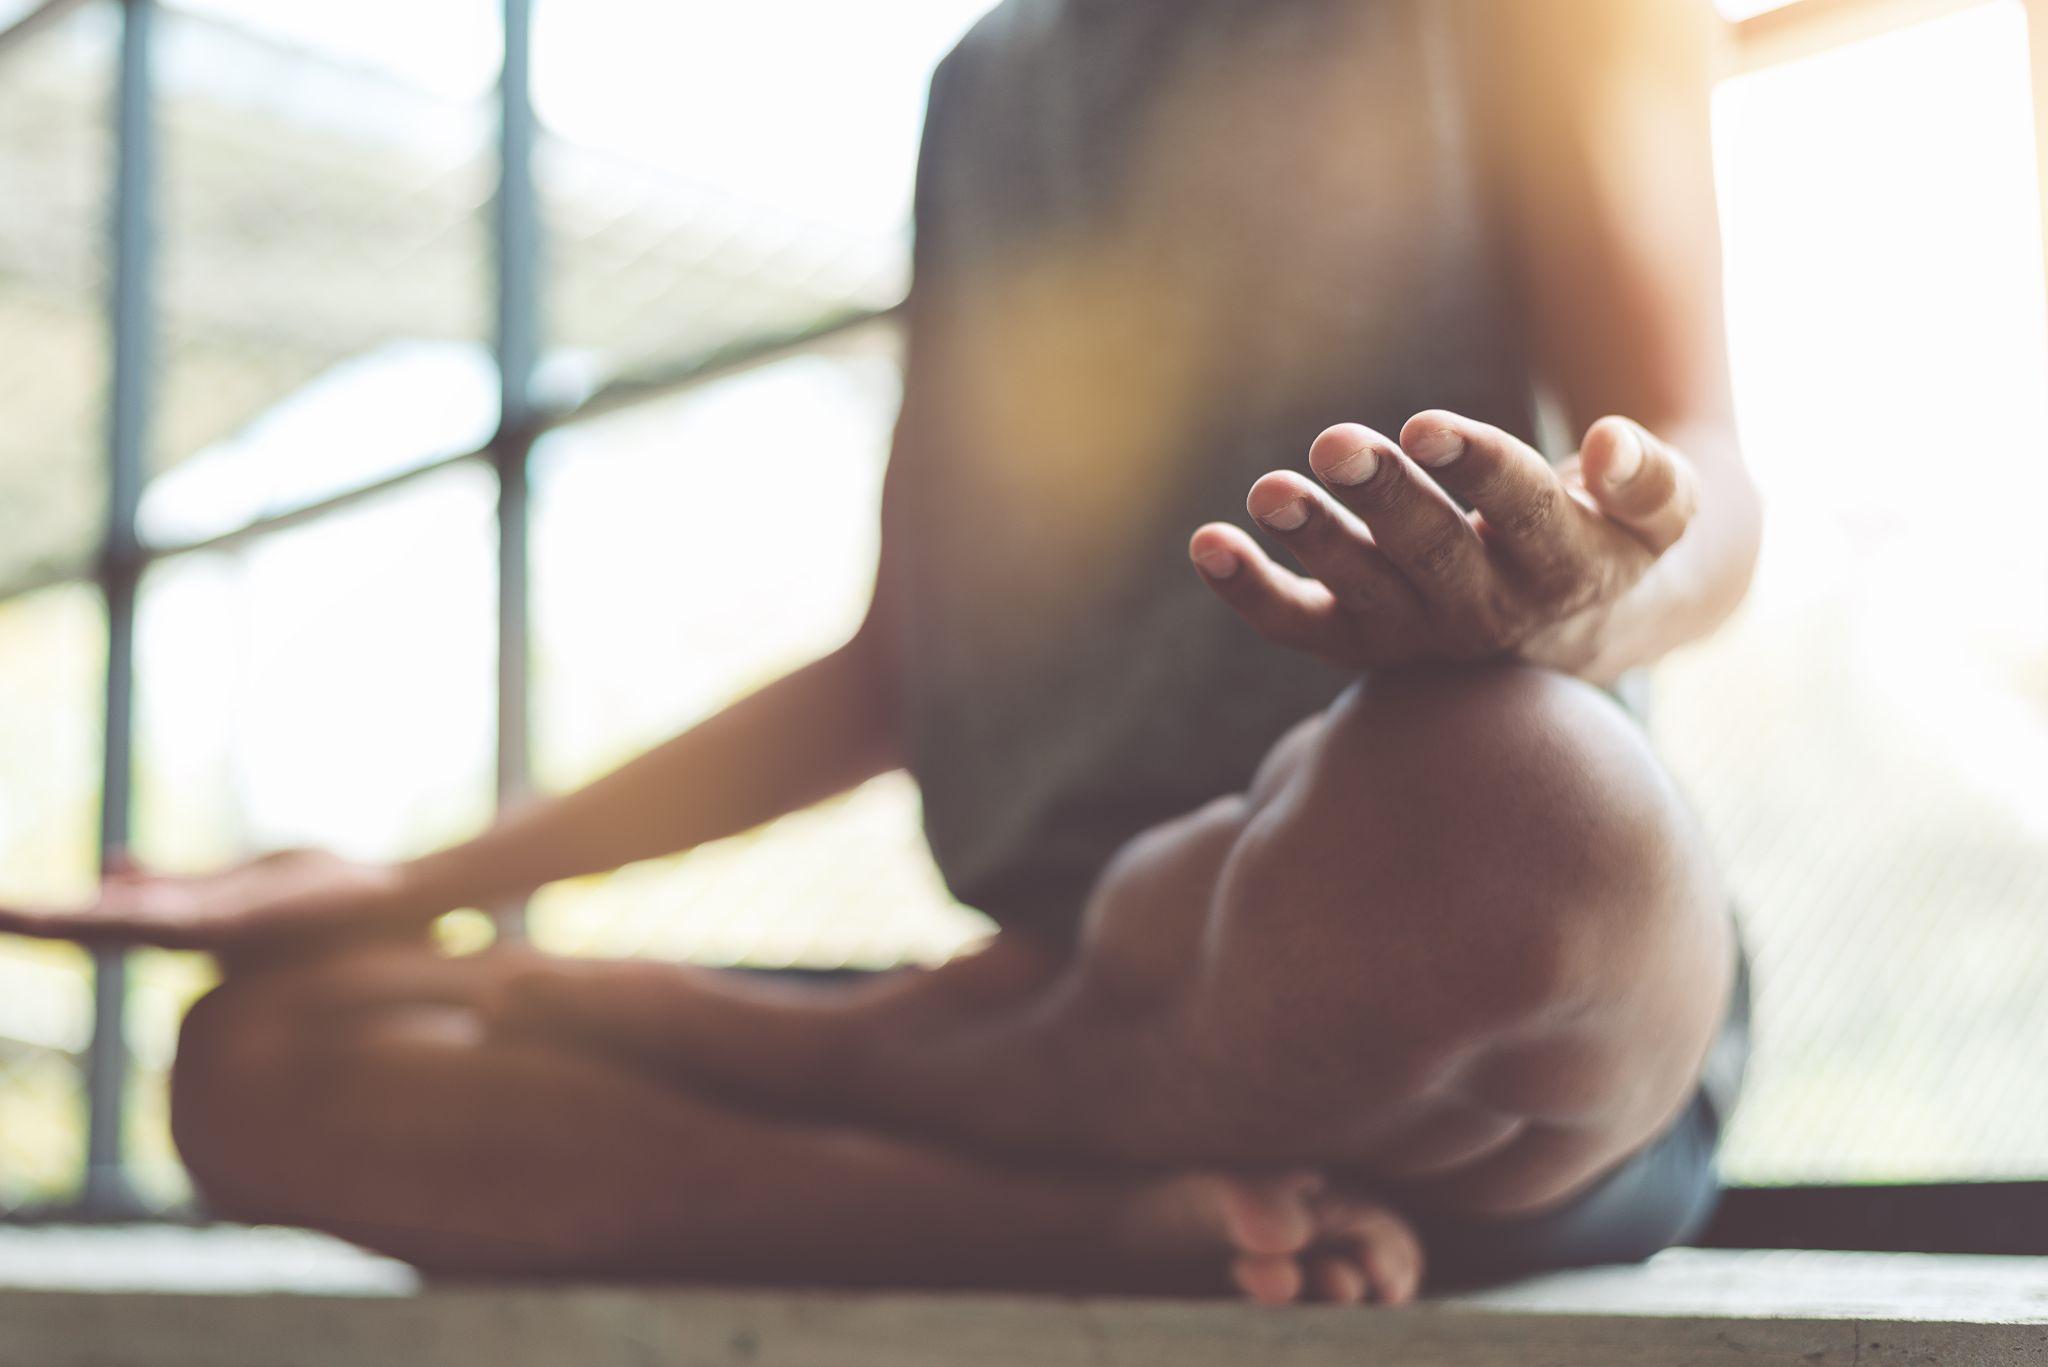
(1380, 1243)
(1339, 1280)
(1395, 1268)
(1270, 1215)
(1268, 1280)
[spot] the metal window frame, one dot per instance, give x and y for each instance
(2009, 1217)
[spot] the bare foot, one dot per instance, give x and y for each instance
(1232, 1218)
(1359, 1251)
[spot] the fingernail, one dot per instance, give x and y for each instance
(1627, 458)
(1217, 564)
(1288, 517)
(1437, 446)
(1355, 468)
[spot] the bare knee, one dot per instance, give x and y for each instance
(234, 1067)
(1462, 850)
(1536, 806)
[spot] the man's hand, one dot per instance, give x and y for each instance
(297, 894)
(1400, 573)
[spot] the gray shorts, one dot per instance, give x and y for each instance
(1661, 1197)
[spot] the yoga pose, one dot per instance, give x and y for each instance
(1376, 944)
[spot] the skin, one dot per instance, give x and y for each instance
(1598, 157)
(380, 1092)
(362, 1091)
(1459, 940)
(1646, 538)
(1458, 944)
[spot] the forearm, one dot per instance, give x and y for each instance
(818, 731)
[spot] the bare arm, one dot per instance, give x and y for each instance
(818, 731)
(1594, 140)
(1604, 160)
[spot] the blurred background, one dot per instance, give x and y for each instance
(360, 397)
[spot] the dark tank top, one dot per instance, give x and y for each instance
(1160, 245)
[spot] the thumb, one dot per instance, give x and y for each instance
(1639, 481)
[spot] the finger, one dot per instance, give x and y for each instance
(1280, 605)
(90, 926)
(1639, 481)
(1337, 549)
(1530, 517)
(1421, 531)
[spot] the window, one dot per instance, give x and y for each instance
(347, 253)
(669, 580)
(52, 677)
(412, 367)
(57, 154)
(1868, 740)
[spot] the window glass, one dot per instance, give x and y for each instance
(1749, 9)
(328, 685)
(679, 565)
(323, 251)
(1868, 739)
(720, 171)
(56, 154)
(52, 691)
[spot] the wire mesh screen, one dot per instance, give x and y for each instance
(320, 229)
(270, 715)
(1868, 741)
(666, 587)
(52, 675)
(699, 191)
(56, 156)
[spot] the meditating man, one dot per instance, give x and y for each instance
(1384, 944)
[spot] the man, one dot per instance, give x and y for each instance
(1158, 241)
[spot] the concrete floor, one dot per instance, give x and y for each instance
(273, 1298)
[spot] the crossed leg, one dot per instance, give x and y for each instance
(1502, 994)
(362, 1094)
(1460, 940)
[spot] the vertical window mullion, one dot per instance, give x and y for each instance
(517, 249)
(2037, 66)
(107, 1190)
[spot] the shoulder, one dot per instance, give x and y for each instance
(986, 58)
(1000, 41)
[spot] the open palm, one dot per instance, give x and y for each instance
(290, 893)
